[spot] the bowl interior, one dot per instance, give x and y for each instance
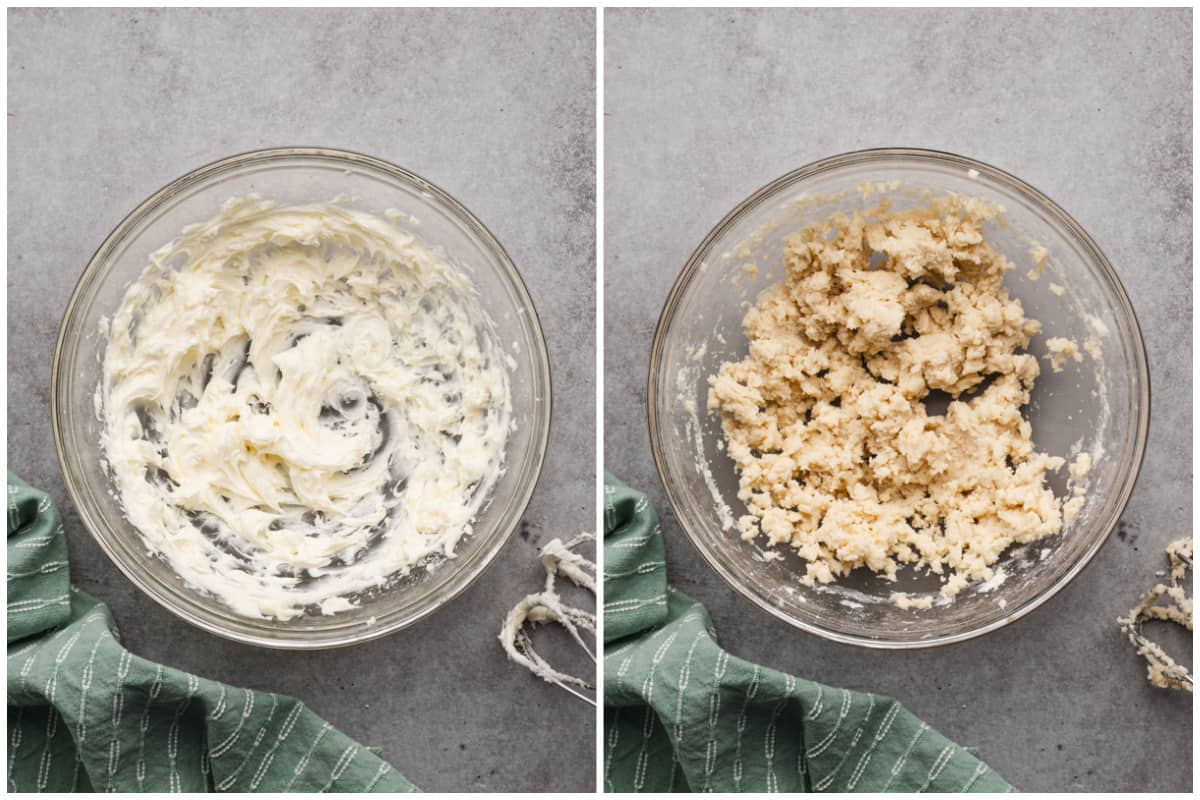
(1098, 405)
(301, 176)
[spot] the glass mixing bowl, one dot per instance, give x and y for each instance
(300, 175)
(1098, 405)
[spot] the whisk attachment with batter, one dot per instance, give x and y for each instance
(1162, 670)
(546, 606)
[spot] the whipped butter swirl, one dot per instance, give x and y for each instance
(300, 403)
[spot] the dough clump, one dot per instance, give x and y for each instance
(829, 420)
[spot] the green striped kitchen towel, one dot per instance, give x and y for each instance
(682, 714)
(86, 714)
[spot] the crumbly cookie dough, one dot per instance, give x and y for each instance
(1062, 350)
(300, 403)
(907, 601)
(826, 419)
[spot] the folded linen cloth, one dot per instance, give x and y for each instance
(85, 714)
(682, 714)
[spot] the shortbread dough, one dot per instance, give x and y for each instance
(826, 419)
(1061, 350)
(300, 403)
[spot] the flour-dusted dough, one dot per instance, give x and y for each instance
(826, 418)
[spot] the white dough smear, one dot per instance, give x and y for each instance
(301, 403)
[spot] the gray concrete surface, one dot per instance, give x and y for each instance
(1092, 107)
(497, 107)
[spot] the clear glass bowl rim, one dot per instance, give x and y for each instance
(69, 329)
(913, 155)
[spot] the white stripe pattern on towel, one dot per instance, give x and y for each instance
(751, 691)
(14, 744)
(302, 764)
(881, 733)
(37, 604)
(231, 779)
(247, 707)
(714, 713)
(685, 674)
(114, 744)
(824, 744)
(340, 766)
(769, 742)
(46, 568)
(285, 730)
(634, 604)
(614, 733)
(384, 768)
(85, 685)
(980, 769)
(173, 735)
(827, 781)
(939, 764)
(645, 568)
(144, 726)
(899, 765)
